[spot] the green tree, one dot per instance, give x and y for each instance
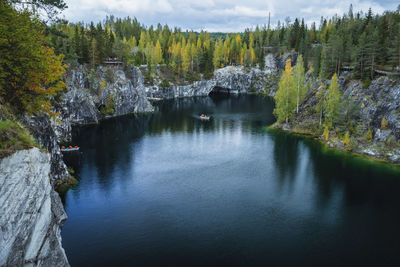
(298, 79)
(157, 53)
(30, 72)
(332, 101)
(320, 107)
(285, 97)
(50, 7)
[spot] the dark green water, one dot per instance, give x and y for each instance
(167, 189)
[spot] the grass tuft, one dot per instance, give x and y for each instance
(13, 137)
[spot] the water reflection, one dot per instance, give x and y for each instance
(168, 188)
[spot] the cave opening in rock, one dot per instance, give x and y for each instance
(219, 91)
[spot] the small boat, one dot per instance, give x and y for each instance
(69, 148)
(204, 117)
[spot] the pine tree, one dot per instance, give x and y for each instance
(394, 48)
(327, 61)
(77, 43)
(84, 46)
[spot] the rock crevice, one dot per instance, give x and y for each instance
(31, 212)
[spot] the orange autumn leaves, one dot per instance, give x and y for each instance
(30, 71)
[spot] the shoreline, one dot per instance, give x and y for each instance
(279, 127)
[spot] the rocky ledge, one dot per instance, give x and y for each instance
(31, 212)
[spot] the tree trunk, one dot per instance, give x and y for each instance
(361, 68)
(320, 118)
(372, 66)
(287, 103)
(298, 96)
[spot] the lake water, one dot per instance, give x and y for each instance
(167, 189)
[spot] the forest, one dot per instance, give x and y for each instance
(360, 42)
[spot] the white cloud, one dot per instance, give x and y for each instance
(308, 10)
(241, 11)
(217, 15)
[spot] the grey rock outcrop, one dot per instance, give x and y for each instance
(381, 100)
(31, 212)
(231, 79)
(198, 88)
(88, 92)
(43, 131)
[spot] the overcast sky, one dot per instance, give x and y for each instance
(217, 15)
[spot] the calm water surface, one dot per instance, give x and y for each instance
(167, 189)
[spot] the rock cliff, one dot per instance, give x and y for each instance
(41, 127)
(361, 114)
(231, 79)
(31, 212)
(91, 96)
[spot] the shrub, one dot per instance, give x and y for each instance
(384, 123)
(353, 144)
(91, 78)
(109, 76)
(208, 75)
(103, 84)
(348, 114)
(368, 135)
(148, 78)
(252, 89)
(346, 139)
(109, 107)
(366, 83)
(165, 84)
(13, 137)
(71, 171)
(391, 141)
(326, 133)
(193, 76)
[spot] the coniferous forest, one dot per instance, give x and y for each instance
(362, 42)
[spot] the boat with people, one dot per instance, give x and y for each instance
(69, 148)
(204, 117)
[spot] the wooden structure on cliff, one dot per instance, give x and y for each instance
(377, 71)
(388, 73)
(115, 61)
